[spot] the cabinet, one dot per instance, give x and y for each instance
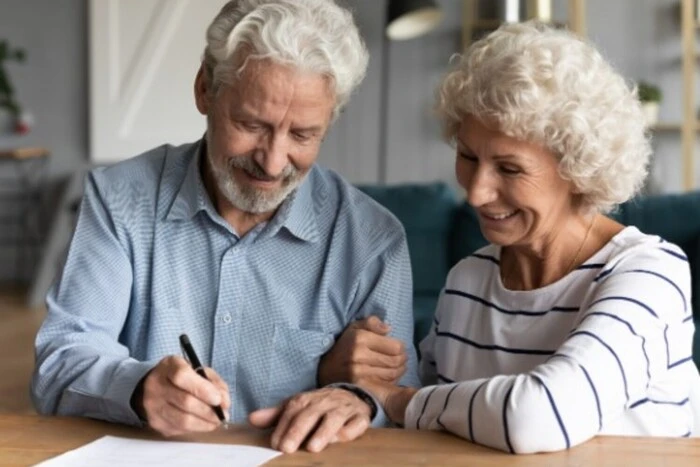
(20, 197)
(476, 21)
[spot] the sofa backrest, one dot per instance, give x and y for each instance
(675, 218)
(427, 213)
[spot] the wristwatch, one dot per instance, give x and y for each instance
(363, 395)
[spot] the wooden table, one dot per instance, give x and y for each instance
(28, 439)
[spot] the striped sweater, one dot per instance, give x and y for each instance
(604, 350)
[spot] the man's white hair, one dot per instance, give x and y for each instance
(549, 86)
(316, 36)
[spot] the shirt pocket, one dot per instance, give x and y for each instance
(295, 357)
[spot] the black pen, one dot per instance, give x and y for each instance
(191, 357)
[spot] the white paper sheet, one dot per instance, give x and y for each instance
(112, 451)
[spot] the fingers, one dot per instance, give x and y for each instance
(291, 408)
(173, 421)
(381, 344)
(322, 417)
(325, 432)
(182, 376)
(265, 418)
(366, 372)
(353, 429)
(366, 356)
(364, 350)
(222, 387)
(373, 324)
(177, 400)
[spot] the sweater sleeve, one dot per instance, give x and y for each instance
(636, 330)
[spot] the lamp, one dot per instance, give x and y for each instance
(407, 19)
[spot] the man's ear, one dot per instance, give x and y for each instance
(202, 90)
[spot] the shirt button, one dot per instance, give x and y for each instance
(226, 319)
(327, 341)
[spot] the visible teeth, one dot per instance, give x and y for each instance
(499, 217)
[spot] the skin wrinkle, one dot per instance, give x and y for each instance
(263, 136)
(503, 175)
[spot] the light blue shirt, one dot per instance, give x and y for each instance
(151, 259)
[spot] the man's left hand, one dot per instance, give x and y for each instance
(323, 416)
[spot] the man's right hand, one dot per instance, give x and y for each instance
(175, 400)
(364, 351)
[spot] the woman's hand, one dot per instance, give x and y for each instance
(393, 398)
(364, 351)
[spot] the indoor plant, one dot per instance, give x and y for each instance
(650, 96)
(10, 110)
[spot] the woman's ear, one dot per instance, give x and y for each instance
(202, 90)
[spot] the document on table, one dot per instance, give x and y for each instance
(111, 451)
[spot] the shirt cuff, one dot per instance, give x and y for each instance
(123, 384)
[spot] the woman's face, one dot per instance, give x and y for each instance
(514, 186)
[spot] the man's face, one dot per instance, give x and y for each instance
(264, 132)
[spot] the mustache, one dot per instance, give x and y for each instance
(249, 165)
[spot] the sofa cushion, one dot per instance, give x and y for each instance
(466, 236)
(423, 311)
(426, 212)
(675, 218)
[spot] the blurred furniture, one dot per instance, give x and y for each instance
(57, 241)
(22, 179)
(29, 439)
(442, 229)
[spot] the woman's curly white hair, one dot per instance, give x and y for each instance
(548, 86)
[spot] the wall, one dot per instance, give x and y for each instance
(52, 84)
(641, 37)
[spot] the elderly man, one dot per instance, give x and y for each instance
(239, 240)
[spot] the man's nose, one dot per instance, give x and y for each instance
(274, 156)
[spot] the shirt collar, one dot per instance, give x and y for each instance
(297, 213)
(192, 196)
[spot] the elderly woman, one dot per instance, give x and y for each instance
(568, 324)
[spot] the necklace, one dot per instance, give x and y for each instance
(572, 264)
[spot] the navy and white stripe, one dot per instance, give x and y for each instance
(604, 350)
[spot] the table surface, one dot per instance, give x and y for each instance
(29, 439)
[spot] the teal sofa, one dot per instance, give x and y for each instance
(442, 229)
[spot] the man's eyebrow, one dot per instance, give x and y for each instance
(308, 129)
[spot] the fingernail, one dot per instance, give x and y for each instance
(314, 445)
